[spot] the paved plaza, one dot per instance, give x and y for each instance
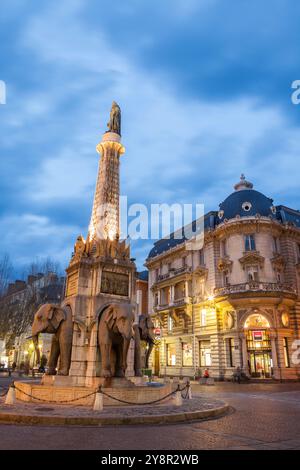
(263, 416)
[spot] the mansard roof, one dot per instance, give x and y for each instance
(243, 202)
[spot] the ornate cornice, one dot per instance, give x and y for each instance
(259, 288)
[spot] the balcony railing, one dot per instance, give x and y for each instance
(255, 286)
(174, 303)
(174, 272)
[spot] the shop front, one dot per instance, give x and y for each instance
(259, 349)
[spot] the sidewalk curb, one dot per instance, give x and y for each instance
(13, 418)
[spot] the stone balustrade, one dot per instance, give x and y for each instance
(255, 286)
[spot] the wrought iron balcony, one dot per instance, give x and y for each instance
(174, 303)
(174, 272)
(255, 286)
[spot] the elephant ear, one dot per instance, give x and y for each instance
(143, 325)
(111, 316)
(149, 322)
(56, 316)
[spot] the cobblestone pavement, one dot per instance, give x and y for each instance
(266, 416)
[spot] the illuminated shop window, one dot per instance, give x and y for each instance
(187, 354)
(205, 354)
(171, 354)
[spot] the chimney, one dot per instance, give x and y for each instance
(31, 278)
(11, 288)
(20, 285)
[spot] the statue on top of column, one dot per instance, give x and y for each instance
(114, 124)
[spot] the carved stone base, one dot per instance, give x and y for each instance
(60, 381)
(66, 394)
(112, 382)
(71, 381)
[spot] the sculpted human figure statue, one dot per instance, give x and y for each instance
(114, 124)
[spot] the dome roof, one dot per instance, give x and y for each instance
(246, 202)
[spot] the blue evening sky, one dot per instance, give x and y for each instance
(205, 92)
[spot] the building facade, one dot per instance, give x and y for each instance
(20, 301)
(235, 302)
(141, 287)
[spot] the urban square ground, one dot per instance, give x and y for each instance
(264, 416)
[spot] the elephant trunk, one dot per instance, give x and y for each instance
(126, 344)
(35, 340)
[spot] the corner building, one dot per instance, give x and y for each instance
(235, 302)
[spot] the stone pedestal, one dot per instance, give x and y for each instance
(30, 391)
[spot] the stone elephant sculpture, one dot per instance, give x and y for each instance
(115, 331)
(55, 320)
(143, 331)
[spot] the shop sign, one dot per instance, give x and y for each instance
(257, 335)
(157, 331)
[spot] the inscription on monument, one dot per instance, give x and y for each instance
(72, 284)
(115, 283)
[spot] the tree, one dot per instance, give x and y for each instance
(6, 270)
(17, 310)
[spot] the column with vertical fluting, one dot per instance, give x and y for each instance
(105, 214)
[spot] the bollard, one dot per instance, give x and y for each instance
(11, 396)
(98, 403)
(177, 399)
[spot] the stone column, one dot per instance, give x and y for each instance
(105, 214)
(130, 360)
(186, 288)
(244, 354)
(78, 361)
(276, 372)
(172, 292)
(158, 297)
(91, 358)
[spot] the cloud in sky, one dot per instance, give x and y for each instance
(205, 94)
